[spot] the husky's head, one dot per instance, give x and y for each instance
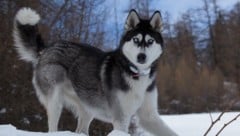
(142, 42)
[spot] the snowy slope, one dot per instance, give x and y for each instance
(197, 124)
(184, 125)
(9, 130)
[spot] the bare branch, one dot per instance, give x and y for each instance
(226, 124)
(210, 114)
(59, 13)
(213, 122)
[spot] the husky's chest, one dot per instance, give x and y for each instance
(131, 100)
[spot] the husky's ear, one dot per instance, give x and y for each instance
(132, 20)
(156, 21)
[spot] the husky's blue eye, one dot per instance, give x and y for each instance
(136, 40)
(150, 41)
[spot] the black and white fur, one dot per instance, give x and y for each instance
(110, 86)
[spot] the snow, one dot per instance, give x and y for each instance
(3, 110)
(118, 133)
(9, 130)
(197, 124)
(184, 125)
(231, 86)
(25, 121)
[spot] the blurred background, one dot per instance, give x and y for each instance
(199, 71)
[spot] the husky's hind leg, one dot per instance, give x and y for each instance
(49, 82)
(54, 110)
(52, 105)
(73, 103)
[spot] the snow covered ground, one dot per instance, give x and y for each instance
(197, 124)
(9, 130)
(184, 125)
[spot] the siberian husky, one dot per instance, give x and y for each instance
(109, 86)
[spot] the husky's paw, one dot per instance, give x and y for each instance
(27, 16)
(117, 133)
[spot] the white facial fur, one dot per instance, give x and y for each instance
(152, 52)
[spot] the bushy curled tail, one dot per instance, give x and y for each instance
(27, 39)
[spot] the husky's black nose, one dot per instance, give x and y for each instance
(141, 58)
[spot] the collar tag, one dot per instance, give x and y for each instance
(134, 70)
(145, 72)
(140, 72)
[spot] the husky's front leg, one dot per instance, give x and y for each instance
(83, 123)
(121, 124)
(149, 117)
